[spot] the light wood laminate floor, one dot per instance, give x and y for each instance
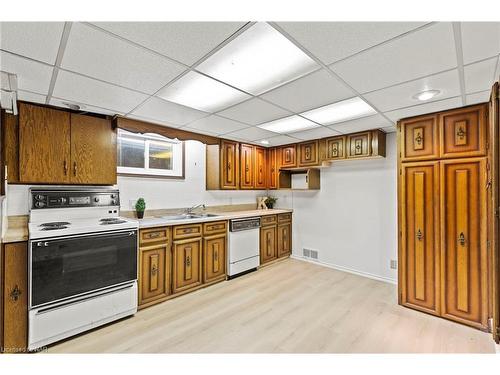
(288, 307)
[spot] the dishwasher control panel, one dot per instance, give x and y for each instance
(237, 225)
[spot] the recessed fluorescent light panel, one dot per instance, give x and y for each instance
(258, 60)
(341, 111)
(426, 95)
(203, 93)
(288, 125)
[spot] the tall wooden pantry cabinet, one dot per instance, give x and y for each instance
(443, 214)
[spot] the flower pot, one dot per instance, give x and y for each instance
(270, 205)
(140, 214)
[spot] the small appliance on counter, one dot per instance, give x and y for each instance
(82, 264)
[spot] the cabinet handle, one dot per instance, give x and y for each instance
(461, 239)
(15, 293)
(461, 133)
(246, 168)
(419, 235)
(188, 261)
(75, 170)
(228, 165)
(65, 166)
(216, 255)
(154, 235)
(153, 271)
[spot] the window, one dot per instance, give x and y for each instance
(149, 155)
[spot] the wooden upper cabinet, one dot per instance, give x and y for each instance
(359, 145)
(463, 132)
(272, 169)
(463, 241)
(419, 138)
(420, 236)
(288, 156)
(308, 153)
(44, 145)
(247, 166)
(260, 168)
(335, 148)
(93, 151)
(229, 161)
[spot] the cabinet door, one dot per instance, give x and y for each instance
(284, 239)
(272, 177)
(247, 167)
(229, 165)
(335, 148)
(419, 138)
(15, 297)
(360, 145)
(260, 168)
(214, 258)
(44, 145)
(463, 132)
(187, 264)
(267, 244)
(420, 255)
(463, 241)
(308, 153)
(93, 151)
(288, 156)
(155, 273)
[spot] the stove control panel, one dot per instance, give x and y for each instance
(42, 199)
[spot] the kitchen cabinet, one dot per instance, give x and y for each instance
(229, 165)
(247, 166)
(284, 234)
(260, 167)
(359, 145)
(300, 179)
(187, 262)
(335, 148)
(308, 153)
(419, 138)
(288, 156)
(214, 258)
(272, 168)
(14, 271)
(59, 147)
(268, 243)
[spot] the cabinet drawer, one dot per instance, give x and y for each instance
(268, 220)
(187, 231)
(215, 227)
(152, 235)
(282, 218)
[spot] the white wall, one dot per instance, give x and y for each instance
(352, 220)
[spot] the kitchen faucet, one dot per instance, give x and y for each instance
(191, 209)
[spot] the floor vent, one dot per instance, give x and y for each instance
(311, 254)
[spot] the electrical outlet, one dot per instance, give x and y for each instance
(394, 264)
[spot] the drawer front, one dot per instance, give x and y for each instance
(187, 231)
(360, 145)
(335, 148)
(153, 235)
(215, 227)
(282, 218)
(419, 138)
(268, 220)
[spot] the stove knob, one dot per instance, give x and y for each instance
(39, 204)
(96, 199)
(62, 200)
(113, 196)
(39, 197)
(113, 201)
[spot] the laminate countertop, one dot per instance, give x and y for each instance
(17, 229)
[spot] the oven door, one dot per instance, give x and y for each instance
(65, 267)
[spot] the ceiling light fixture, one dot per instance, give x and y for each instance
(264, 142)
(288, 125)
(203, 93)
(258, 60)
(426, 95)
(341, 111)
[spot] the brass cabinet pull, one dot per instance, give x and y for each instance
(246, 168)
(65, 166)
(461, 132)
(154, 270)
(15, 293)
(154, 234)
(419, 235)
(461, 239)
(228, 165)
(419, 138)
(74, 169)
(216, 256)
(188, 261)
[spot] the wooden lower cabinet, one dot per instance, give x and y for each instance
(284, 244)
(268, 249)
(214, 258)
(14, 333)
(155, 273)
(187, 262)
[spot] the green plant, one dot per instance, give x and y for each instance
(270, 201)
(140, 205)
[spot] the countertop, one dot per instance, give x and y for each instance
(151, 222)
(17, 229)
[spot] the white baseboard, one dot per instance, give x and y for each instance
(346, 269)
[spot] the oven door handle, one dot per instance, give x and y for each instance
(77, 237)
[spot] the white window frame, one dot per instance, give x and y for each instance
(177, 170)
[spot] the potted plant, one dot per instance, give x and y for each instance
(271, 201)
(140, 207)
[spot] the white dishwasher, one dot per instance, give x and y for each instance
(243, 245)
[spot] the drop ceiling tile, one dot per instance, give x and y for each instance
(251, 134)
(478, 97)
(401, 96)
(312, 91)
(316, 133)
(254, 112)
(480, 40)
(168, 112)
(73, 87)
(31, 76)
(200, 131)
(332, 41)
(480, 76)
(390, 129)
(361, 124)
(424, 108)
(100, 55)
(58, 102)
(31, 97)
(217, 124)
(418, 54)
(36, 40)
(186, 42)
(279, 140)
(152, 121)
